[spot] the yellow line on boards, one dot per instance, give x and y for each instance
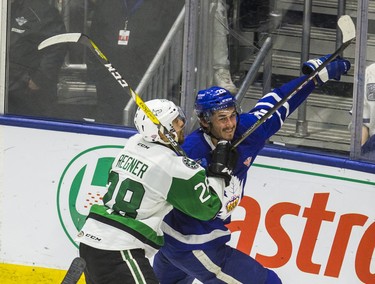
(11, 273)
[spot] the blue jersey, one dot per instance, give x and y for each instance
(187, 233)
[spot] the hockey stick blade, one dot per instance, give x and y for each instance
(346, 25)
(347, 28)
(75, 271)
(61, 38)
(86, 41)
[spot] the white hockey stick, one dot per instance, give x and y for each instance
(75, 271)
(347, 28)
(86, 41)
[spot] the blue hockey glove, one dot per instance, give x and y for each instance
(333, 70)
(310, 66)
(223, 161)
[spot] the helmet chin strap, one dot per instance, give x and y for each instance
(213, 136)
(207, 130)
(164, 139)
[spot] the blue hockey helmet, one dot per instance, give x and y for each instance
(213, 99)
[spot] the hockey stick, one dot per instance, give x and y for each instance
(75, 271)
(347, 28)
(86, 41)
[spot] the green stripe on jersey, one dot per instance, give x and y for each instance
(133, 224)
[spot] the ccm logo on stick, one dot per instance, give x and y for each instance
(115, 74)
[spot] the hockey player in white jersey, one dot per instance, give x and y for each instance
(198, 249)
(146, 179)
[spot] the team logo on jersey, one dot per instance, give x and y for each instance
(82, 184)
(190, 163)
(232, 203)
(21, 21)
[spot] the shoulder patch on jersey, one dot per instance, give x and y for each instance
(190, 163)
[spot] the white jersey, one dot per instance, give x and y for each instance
(145, 181)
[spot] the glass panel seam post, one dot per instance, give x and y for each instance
(359, 75)
(3, 45)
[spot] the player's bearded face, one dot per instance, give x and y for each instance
(223, 123)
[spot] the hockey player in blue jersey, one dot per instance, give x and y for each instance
(197, 249)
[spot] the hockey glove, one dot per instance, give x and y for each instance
(223, 161)
(333, 70)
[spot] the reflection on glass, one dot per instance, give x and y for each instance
(322, 122)
(33, 74)
(130, 34)
(368, 127)
(75, 85)
(68, 82)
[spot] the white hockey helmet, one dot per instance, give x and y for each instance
(165, 111)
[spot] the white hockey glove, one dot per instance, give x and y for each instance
(333, 70)
(223, 161)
